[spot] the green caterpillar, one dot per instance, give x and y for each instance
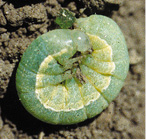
(66, 76)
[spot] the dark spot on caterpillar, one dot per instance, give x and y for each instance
(76, 54)
(59, 63)
(80, 76)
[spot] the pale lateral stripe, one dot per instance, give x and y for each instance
(111, 54)
(109, 81)
(65, 110)
(44, 64)
(60, 53)
(49, 58)
(39, 78)
(114, 67)
(97, 97)
(101, 41)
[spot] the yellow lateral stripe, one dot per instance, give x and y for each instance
(45, 63)
(97, 42)
(60, 53)
(39, 78)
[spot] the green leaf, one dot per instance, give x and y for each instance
(65, 19)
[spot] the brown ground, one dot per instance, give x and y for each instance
(22, 21)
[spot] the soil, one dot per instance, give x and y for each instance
(21, 22)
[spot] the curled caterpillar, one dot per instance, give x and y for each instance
(66, 76)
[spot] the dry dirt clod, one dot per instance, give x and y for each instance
(3, 21)
(114, 1)
(6, 133)
(134, 57)
(27, 14)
